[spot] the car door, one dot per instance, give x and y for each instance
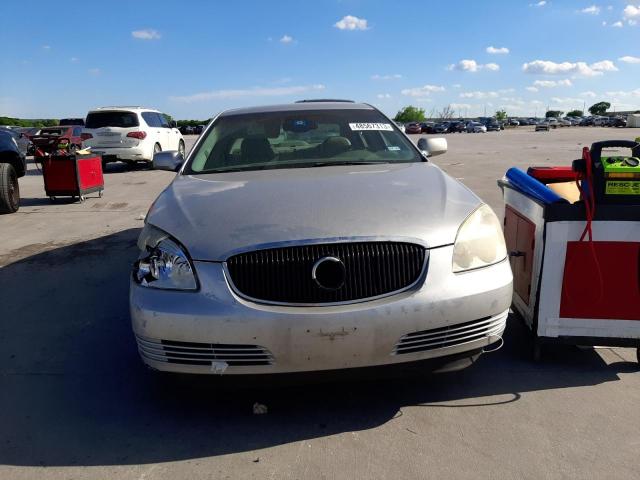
(156, 132)
(173, 134)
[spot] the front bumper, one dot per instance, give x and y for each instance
(216, 331)
(123, 153)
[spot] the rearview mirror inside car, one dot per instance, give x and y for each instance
(433, 146)
(170, 160)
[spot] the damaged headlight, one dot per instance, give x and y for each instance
(163, 263)
(480, 241)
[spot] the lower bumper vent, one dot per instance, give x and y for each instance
(189, 353)
(450, 336)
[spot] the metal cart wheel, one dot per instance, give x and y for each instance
(81, 198)
(100, 194)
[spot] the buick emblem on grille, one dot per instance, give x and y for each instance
(329, 273)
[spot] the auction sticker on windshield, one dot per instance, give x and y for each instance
(371, 126)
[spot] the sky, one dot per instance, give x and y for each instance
(195, 58)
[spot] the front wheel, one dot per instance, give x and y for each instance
(9, 189)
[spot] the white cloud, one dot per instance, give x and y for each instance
(460, 106)
(395, 76)
(617, 24)
(146, 34)
(349, 22)
(629, 59)
(592, 10)
(94, 71)
(46, 47)
(456, 85)
(497, 50)
(589, 94)
(631, 12)
(383, 95)
(249, 92)
(286, 39)
(552, 83)
(541, 3)
(74, 59)
(621, 93)
(547, 67)
(479, 95)
(532, 89)
(472, 66)
(566, 101)
(423, 91)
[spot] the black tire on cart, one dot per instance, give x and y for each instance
(9, 189)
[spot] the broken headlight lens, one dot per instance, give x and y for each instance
(163, 263)
(480, 241)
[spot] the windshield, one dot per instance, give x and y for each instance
(300, 139)
(111, 119)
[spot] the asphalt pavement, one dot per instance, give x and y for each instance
(76, 402)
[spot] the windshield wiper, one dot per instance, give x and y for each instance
(338, 163)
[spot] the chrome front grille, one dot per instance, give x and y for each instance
(450, 336)
(189, 353)
(284, 275)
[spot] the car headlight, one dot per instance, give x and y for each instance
(163, 263)
(480, 241)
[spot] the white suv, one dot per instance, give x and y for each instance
(130, 134)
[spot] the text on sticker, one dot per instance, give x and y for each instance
(371, 126)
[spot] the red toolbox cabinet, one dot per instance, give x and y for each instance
(72, 175)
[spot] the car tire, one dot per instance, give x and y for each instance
(181, 148)
(9, 189)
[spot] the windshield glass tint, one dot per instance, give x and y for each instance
(111, 119)
(300, 139)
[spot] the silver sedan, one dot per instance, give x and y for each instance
(314, 236)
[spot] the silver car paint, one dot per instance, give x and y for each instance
(217, 215)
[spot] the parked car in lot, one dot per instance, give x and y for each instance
(543, 126)
(456, 127)
(130, 134)
(512, 122)
(619, 122)
(442, 127)
(399, 125)
(314, 236)
(187, 130)
(71, 121)
(13, 165)
(476, 127)
(413, 127)
(492, 126)
(427, 127)
(198, 129)
(48, 138)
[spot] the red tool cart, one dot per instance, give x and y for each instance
(72, 175)
(573, 236)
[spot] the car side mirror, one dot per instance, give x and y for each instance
(170, 160)
(432, 146)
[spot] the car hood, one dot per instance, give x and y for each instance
(217, 215)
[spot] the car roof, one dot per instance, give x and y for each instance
(298, 107)
(124, 109)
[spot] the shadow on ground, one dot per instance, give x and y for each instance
(73, 391)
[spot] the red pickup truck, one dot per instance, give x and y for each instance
(48, 139)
